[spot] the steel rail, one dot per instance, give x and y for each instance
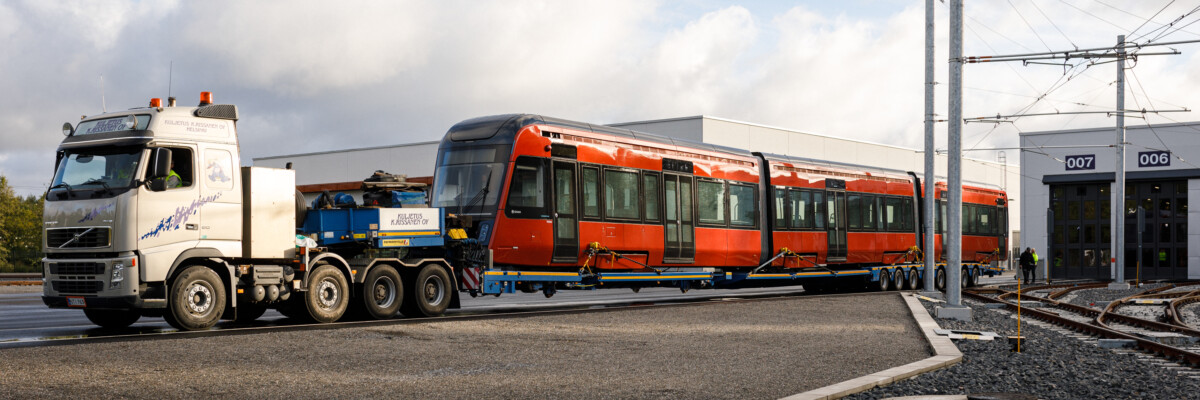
(501, 314)
(1174, 305)
(1166, 351)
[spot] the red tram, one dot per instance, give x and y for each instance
(543, 194)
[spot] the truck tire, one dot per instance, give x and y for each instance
(914, 279)
(382, 292)
(429, 294)
(939, 280)
(328, 294)
(248, 312)
(112, 319)
(885, 280)
(196, 299)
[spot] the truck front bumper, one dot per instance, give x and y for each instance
(91, 282)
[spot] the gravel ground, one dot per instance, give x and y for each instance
(1051, 366)
(764, 349)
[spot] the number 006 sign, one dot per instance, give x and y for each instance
(1154, 159)
(1086, 161)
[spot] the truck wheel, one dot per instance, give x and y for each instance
(196, 300)
(327, 295)
(112, 319)
(383, 292)
(885, 280)
(430, 293)
(898, 279)
(248, 312)
(914, 279)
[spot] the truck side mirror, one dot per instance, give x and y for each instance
(160, 169)
(162, 163)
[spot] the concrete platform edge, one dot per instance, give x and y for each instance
(945, 354)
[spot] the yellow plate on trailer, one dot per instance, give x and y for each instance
(73, 301)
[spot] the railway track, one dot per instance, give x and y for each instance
(1171, 342)
(133, 334)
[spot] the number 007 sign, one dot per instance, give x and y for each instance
(1076, 163)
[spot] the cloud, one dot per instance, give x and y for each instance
(316, 76)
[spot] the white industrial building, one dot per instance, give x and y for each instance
(1067, 188)
(342, 170)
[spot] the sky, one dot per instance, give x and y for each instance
(313, 76)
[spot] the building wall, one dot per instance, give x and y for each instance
(414, 160)
(1180, 139)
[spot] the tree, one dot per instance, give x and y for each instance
(20, 230)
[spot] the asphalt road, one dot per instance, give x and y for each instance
(23, 316)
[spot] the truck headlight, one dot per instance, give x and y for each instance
(118, 275)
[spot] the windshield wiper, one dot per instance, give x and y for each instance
(64, 185)
(480, 195)
(100, 181)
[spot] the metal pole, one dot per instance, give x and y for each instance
(1118, 215)
(954, 166)
(930, 208)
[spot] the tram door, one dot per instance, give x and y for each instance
(680, 242)
(836, 228)
(566, 218)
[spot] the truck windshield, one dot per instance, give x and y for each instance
(105, 169)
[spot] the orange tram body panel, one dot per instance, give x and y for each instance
(553, 200)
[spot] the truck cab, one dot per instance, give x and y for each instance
(136, 193)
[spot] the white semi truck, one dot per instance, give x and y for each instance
(150, 214)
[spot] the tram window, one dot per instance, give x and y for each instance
(650, 190)
(907, 217)
(711, 202)
(621, 195)
(891, 213)
(742, 205)
(854, 209)
(869, 213)
(802, 209)
(781, 200)
(527, 194)
(818, 215)
(985, 221)
(591, 192)
(942, 218)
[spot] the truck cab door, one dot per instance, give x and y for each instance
(168, 221)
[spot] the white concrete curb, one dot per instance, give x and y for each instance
(945, 354)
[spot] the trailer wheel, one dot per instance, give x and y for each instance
(965, 278)
(196, 299)
(429, 294)
(383, 292)
(248, 312)
(327, 296)
(898, 279)
(914, 279)
(885, 280)
(112, 319)
(939, 280)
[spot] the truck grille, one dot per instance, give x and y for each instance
(77, 286)
(65, 238)
(76, 268)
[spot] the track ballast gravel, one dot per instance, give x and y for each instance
(1050, 366)
(762, 349)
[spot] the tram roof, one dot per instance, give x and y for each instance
(508, 125)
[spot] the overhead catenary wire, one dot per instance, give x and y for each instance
(1022, 16)
(1147, 20)
(1161, 25)
(1051, 21)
